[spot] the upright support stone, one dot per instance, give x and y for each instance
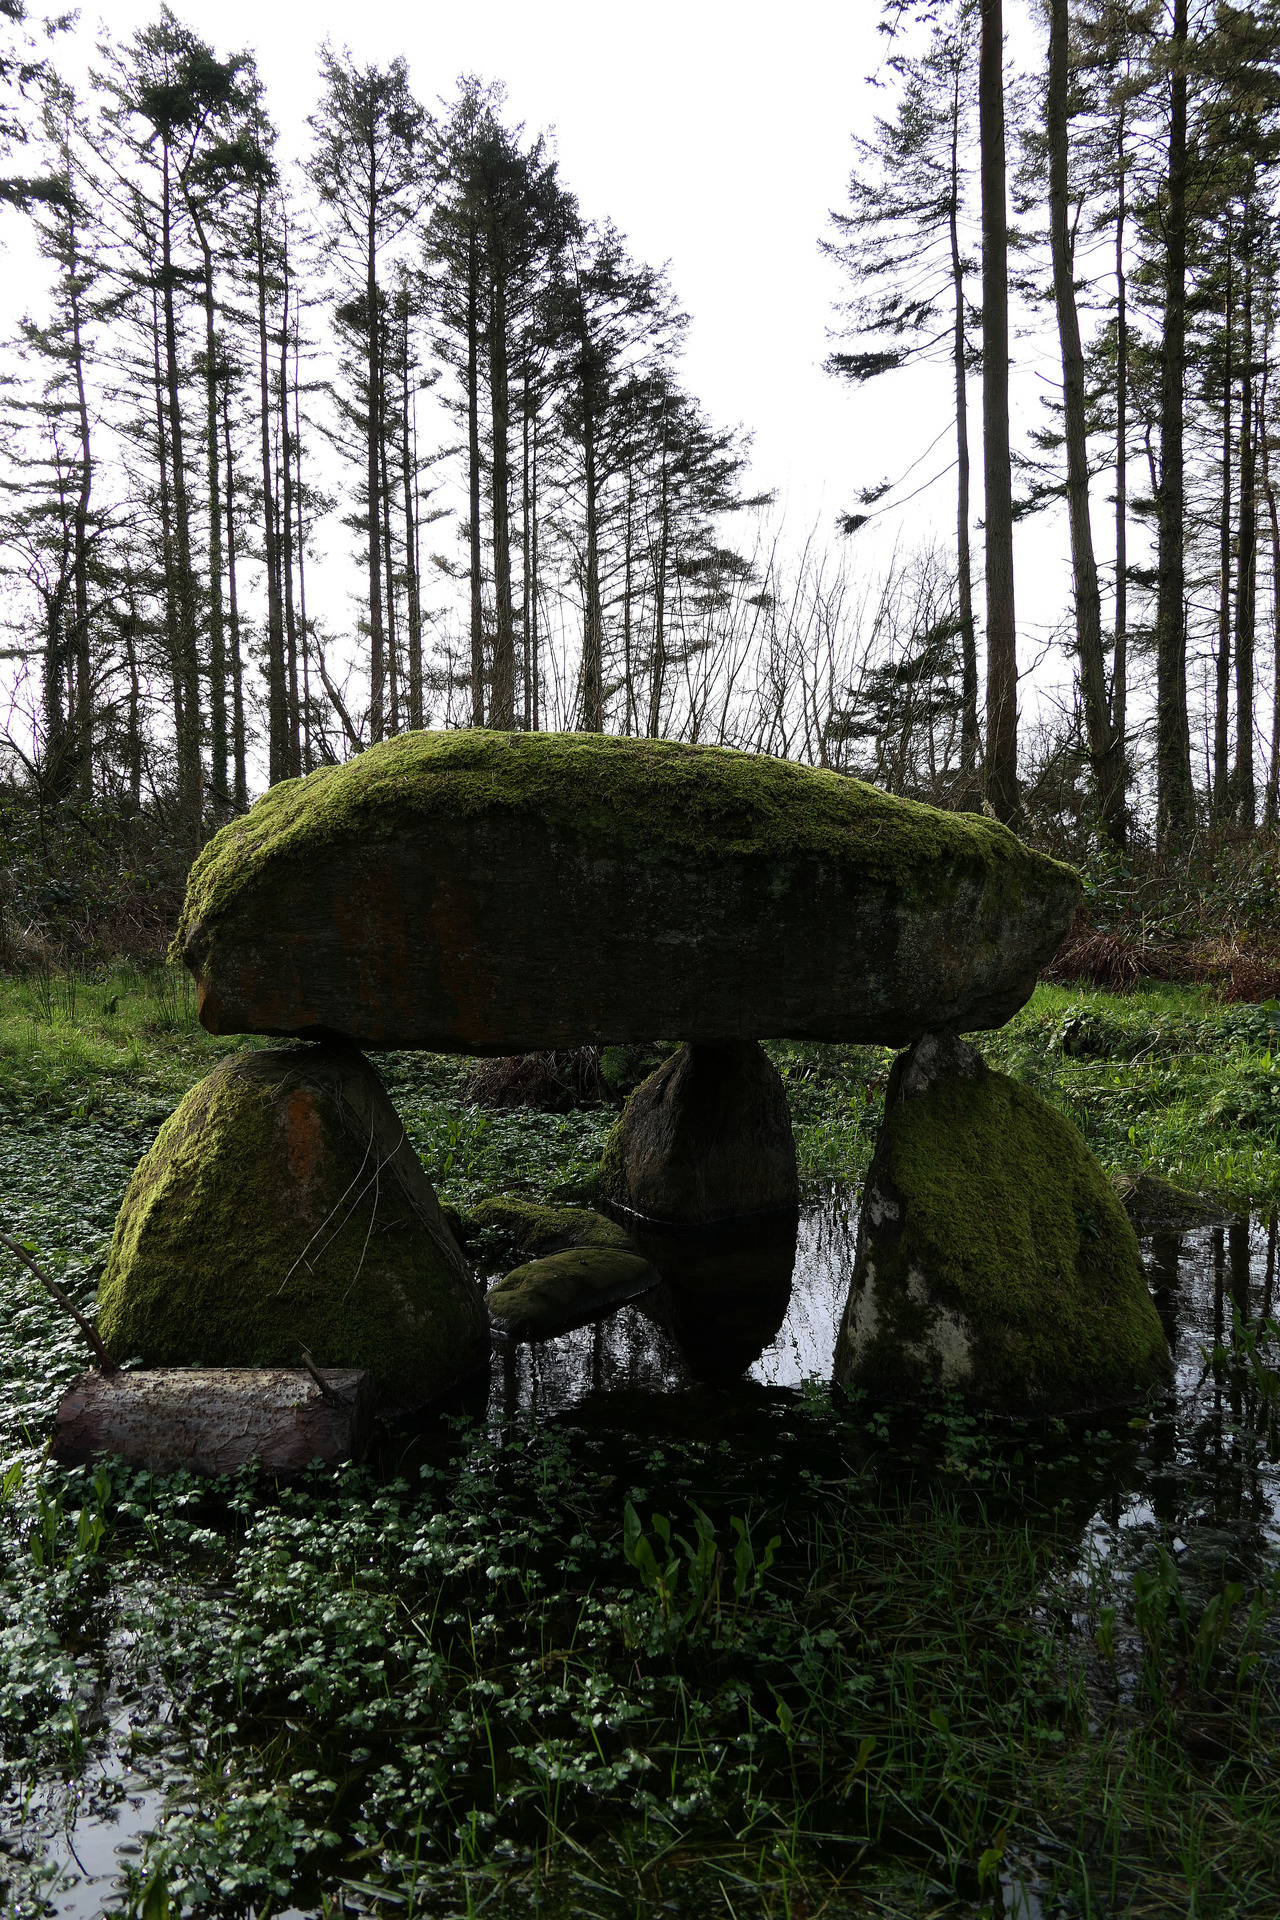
(705, 1138)
(282, 1207)
(994, 1255)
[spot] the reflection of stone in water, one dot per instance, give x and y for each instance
(727, 1288)
(624, 1350)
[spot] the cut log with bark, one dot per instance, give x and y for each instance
(216, 1419)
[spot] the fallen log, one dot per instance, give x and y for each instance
(215, 1419)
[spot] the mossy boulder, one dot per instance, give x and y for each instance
(567, 1290)
(705, 1138)
(281, 1207)
(516, 893)
(994, 1255)
(534, 1229)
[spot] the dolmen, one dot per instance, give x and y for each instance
(504, 893)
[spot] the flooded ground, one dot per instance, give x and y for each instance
(737, 1332)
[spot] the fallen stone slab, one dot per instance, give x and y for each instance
(281, 1208)
(994, 1256)
(705, 1138)
(566, 1290)
(515, 893)
(214, 1420)
(533, 1228)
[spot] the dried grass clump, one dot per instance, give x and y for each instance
(551, 1082)
(1105, 959)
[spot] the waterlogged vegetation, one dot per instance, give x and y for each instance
(711, 1649)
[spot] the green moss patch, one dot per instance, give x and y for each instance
(533, 1229)
(626, 794)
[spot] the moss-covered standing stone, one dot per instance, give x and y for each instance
(994, 1255)
(281, 1206)
(705, 1138)
(513, 893)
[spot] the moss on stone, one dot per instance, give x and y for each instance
(258, 1223)
(641, 795)
(535, 1229)
(1001, 1218)
(567, 1289)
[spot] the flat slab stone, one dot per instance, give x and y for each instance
(509, 893)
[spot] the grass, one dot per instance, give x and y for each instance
(766, 1655)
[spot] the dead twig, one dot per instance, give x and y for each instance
(90, 1332)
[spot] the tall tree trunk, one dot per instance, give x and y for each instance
(504, 637)
(190, 775)
(1243, 794)
(473, 472)
(393, 648)
(1273, 514)
(1120, 658)
(1175, 796)
(1106, 762)
(373, 384)
(407, 474)
(277, 696)
(303, 633)
(286, 531)
(133, 725)
(166, 529)
(1000, 771)
(524, 544)
(1222, 676)
(80, 531)
(628, 681)
(658, 674)
(968, 640)
(238, 750)
(592, 635)
(535, 687)
(217, 631)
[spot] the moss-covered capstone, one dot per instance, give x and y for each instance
(282, 1207)
(566, 1290)
(705, 1138)
(511, 893)
(994, 1255)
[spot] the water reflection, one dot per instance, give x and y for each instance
(755, 1305)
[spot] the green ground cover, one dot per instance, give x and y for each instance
(770, 1656)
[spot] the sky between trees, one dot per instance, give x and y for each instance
(722, 158)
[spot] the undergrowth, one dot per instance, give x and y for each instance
(767, 1655)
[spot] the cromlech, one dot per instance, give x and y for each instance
(490, 893)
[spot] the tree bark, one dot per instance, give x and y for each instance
(592, 635)
(80, 531)
(1175, 796)
(1105, 761)
(1001, 761)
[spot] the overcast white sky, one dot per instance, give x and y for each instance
(717, 138)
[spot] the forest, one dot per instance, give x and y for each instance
(355, 495)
